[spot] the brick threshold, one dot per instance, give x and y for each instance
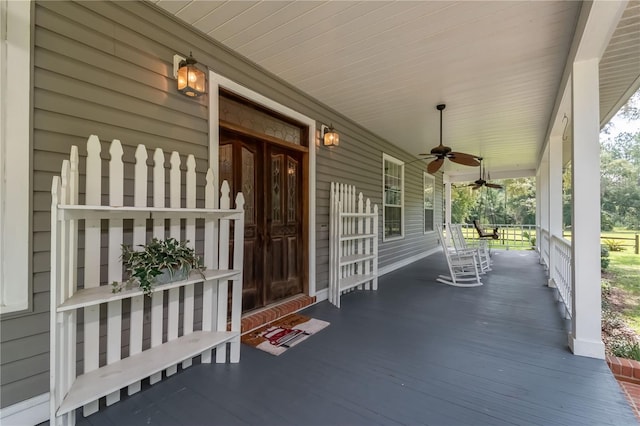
(627, 372)
(255, 319)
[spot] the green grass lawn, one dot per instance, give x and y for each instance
(624, 273)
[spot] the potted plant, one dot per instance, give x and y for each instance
(158, 262)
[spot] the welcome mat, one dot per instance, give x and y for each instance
(283, 333)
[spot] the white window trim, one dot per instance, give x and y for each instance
(387, 157)
(426, 176)
(15, 164)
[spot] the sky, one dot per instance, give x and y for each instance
(621, 125)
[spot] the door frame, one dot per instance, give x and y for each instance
(217, 81)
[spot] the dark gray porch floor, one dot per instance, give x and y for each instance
(414, 352)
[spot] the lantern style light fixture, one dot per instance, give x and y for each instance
(330, 136)
(191, 80)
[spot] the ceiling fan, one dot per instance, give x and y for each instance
(441, 152)
(481, 180)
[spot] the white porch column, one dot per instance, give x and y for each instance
(538, 212)
(585, 337)
(555, 200)
(544, 207)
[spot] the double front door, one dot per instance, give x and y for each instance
(270, 178)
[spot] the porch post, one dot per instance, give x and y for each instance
(538, 212)
(585, 336)
(447, 206)
(544, 207)
(555, 200)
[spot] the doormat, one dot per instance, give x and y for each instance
(283, 333)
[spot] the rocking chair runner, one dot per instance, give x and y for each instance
(463, 265)
(483, 234)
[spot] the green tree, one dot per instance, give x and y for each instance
(463, 200)
(620, 171)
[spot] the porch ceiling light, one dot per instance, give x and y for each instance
(191, 80)
(330, 136)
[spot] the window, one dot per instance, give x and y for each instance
(428, 182)
(392, 214)
(15, 192)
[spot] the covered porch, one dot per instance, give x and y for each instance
(414, 352)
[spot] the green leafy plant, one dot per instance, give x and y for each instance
(614, 245)
(527, 236)
(145, 265)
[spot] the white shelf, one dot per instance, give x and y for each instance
(356, 237)
(354, 258)
(358, 215)
(355, 280)
(75, 212)
(103, 294)
(113, 377)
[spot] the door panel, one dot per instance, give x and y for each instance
(273, 247)
(240, 166)
(284, 227)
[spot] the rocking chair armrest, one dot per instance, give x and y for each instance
(467, 252)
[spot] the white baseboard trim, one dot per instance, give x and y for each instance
(26, 413)
(322, 295)
(408, 261)
(586, 348)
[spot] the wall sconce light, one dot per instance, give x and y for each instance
(329, 135)
(191, 80)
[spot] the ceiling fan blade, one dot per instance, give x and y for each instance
(476, 187)
(435, 165)
(464, 159)
(426, 154)
(494, 185)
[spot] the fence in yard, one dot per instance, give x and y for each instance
(621, 242)
(510, 236)
(523, 237)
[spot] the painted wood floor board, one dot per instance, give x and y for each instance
(413, 352)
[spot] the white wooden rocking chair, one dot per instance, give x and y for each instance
(482, 248)
(463, 265)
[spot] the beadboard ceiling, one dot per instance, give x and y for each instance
(386, 65)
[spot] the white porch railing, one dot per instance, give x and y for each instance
(560, 273)
(545, 247)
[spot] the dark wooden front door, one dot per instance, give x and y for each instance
(270, 178)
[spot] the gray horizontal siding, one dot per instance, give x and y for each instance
(105, 68)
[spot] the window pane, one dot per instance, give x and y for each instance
(392, 221)
(429, 196)
(428, 220)
(392, 175)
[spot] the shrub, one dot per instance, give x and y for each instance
(624, 348)
(614, 245)
(619, 339)
(604, 257)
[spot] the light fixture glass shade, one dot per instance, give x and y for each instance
(331, 137)
(191, 80)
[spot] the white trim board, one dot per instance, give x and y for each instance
(28, 412)
(408, 261)
(215, 82)
(15, 151)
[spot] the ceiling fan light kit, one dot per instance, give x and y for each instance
(442, 152)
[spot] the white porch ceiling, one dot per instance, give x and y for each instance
(386, 65)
